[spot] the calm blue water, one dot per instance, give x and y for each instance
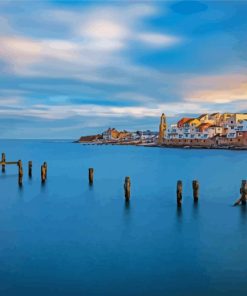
(67, 238)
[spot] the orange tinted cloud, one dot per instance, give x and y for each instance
(217, 89)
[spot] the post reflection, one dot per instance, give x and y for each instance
(243, 214)
(43, 187)
(179, 212)
(127, 206)
(20, 194)
(195, 209)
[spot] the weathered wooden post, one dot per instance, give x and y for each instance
(243, 191)
(179, 193)
(45, 165)
(43, 173)
(127, 188)
(195, 186)
(243, 194)
(20, 172)
(3, 160)
(30, 165)
(90, 175)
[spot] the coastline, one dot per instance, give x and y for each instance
(155, 145)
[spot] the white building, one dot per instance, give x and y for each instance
(173, 132)
(208, 126)
(233, 127)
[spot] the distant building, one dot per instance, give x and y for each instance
(182, 121)
(208, 126)
(207, 118)
(113, 134)
(215, 117)
(235, 123)
(149, 135)
(110, 134)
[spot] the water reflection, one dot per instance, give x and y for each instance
(127, 209)
(20, 194)
(178, 219)
(243, 214)
(195, 209)
(43, 187)
(90, 186)
(179, 212)
(127, 205)
(20, 188)
(29, 180)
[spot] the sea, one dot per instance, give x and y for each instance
(66, 237)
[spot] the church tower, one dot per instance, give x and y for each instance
(162, 128)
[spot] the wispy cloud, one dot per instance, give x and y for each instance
(98, 37)
(159, 40)
(51, 112)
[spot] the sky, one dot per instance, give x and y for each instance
(73, 68)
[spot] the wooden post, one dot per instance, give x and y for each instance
(179, 193)
(243, 191)
(90, 175)
(195, 186)
(3, 160)
(45, 166)
(43, 173)
(127, 188)
(30, 165)
(20, 172)
(243, 194)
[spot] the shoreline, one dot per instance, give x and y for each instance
(154, 145)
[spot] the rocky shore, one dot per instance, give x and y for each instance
(96, 141)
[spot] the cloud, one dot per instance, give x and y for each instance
(61, 68)
(10, 101)
(19, 51)
(97, 38)
(58, 112)
(105, 29)
(219, 89)
(158, 40)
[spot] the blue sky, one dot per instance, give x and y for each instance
(73, 68)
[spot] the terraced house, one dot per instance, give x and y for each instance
(208, 128)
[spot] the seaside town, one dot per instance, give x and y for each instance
(216, 130)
